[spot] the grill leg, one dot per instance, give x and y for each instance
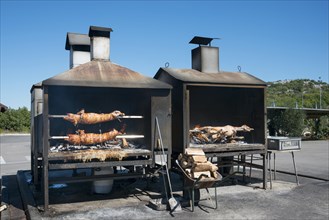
(269, 165)
(274, 157)
(238, 164)
(214, 205)
(192, 192)
(216, 197)
(264, 170)
(210, 199)
(45, 179)
(243, 160)
(250, 168)
(293, 160)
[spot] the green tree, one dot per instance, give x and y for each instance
(289, 122)
(319, 127)
(15, 120)
(304, 92)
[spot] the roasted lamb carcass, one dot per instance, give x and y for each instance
(92, 118)
(222, 134)
(83, 138)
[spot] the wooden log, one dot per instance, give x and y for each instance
(198, 174)
(208, 166)
(194, 151)
(199, 159)
(214, 174)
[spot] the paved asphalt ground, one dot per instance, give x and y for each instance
(309, 200)
(15, 153)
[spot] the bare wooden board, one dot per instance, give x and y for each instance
(228, 147)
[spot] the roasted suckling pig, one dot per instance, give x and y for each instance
(83, 138)
(220, 134)
(92, 118)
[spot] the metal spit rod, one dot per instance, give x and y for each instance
(118, 136)
(125, 116)
(132, 136)
(131, 116)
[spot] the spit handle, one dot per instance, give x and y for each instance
(163, 153)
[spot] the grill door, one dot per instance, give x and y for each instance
(161, 108)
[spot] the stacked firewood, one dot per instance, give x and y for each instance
(195, 163)
(220, 134)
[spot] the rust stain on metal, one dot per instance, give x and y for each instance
(100, 73)
(222, 77)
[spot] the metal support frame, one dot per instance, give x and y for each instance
(251, 165)
(243, 154)
(34, 156)
(49, 163)
(55, 166)
(250, 168)
(269, 165)
(158, 138)
(186, 118)
(295, 168)
(192, 200)
(97, 177)
(269, 152)
(45, 167)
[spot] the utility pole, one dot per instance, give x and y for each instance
(320, 93)
(320, 97)
(303, 98)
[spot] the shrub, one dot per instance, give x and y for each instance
(14, 120)
(319, 127)
(289, 123)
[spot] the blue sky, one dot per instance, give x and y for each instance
(272, 40)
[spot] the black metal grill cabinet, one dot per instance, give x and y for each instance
(98, 86)
(204, 95)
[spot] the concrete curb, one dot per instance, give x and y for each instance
(16, 134)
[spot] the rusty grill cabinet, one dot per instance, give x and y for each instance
(149, 99)
(216, 98)
(98, 86)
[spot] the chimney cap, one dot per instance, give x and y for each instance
(99, 31)
(74, 39)
(202, 40)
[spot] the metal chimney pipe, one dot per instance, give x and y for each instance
(99, 43)
(205, 58)
(79, 47)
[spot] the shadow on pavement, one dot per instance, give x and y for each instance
(10, 196)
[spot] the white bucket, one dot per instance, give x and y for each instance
(103, 186)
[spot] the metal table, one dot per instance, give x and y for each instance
(269, 153)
